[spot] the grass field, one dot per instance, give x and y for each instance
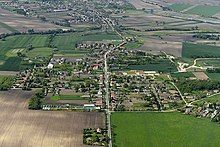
(204, 10)
(67, 97)
(190, 50)
(163, 130)
(179, 6)
(182, 75)
(213, 76)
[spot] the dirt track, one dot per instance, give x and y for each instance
(22, 127)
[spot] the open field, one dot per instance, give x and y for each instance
(139, 4)
(15, 22)
(179, 6)
(191, 50)
(23, 127)
(204, 10)
(163, 129)
(201, 75)
(211, 63)
(155, 46)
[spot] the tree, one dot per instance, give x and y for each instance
(35, 103)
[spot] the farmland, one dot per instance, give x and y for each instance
(14, 22)
(163, 129)
(191, 50)
(179, 6)
(50, 128)
(206, 11)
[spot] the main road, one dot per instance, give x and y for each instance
(106, 82)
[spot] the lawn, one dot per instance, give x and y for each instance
(204, 10)
(163, 130)
(191, 50)
(179, 6)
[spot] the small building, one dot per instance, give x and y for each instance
(50, 66)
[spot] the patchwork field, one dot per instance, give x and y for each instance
(14, 22)
(22, 127)
(163, 129)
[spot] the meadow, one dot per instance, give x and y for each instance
(191, 50)
(163, 129)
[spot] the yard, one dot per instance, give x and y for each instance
(163, 129)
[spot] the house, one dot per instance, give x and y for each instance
(89, 107)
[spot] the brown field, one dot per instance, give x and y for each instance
(22, 127)
(22, 23)
(156, 46)
(201, 75)
(139, 4)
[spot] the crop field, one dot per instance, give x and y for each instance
(213, 76)
(182, 75)
(163, 129)
(23, 127)
(214, 63)
(179, 6)
(190, 50)
(204, 10)
(155, 46)
(14, 22)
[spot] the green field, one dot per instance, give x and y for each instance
(163, 130)
(182, 75)
(179, 6)
(44, 52)
(215, 63)
(68, 41)
(191, 50)
(9, 47)
(213, 76)
(67, 97)
(163, 65)
(204, 10)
